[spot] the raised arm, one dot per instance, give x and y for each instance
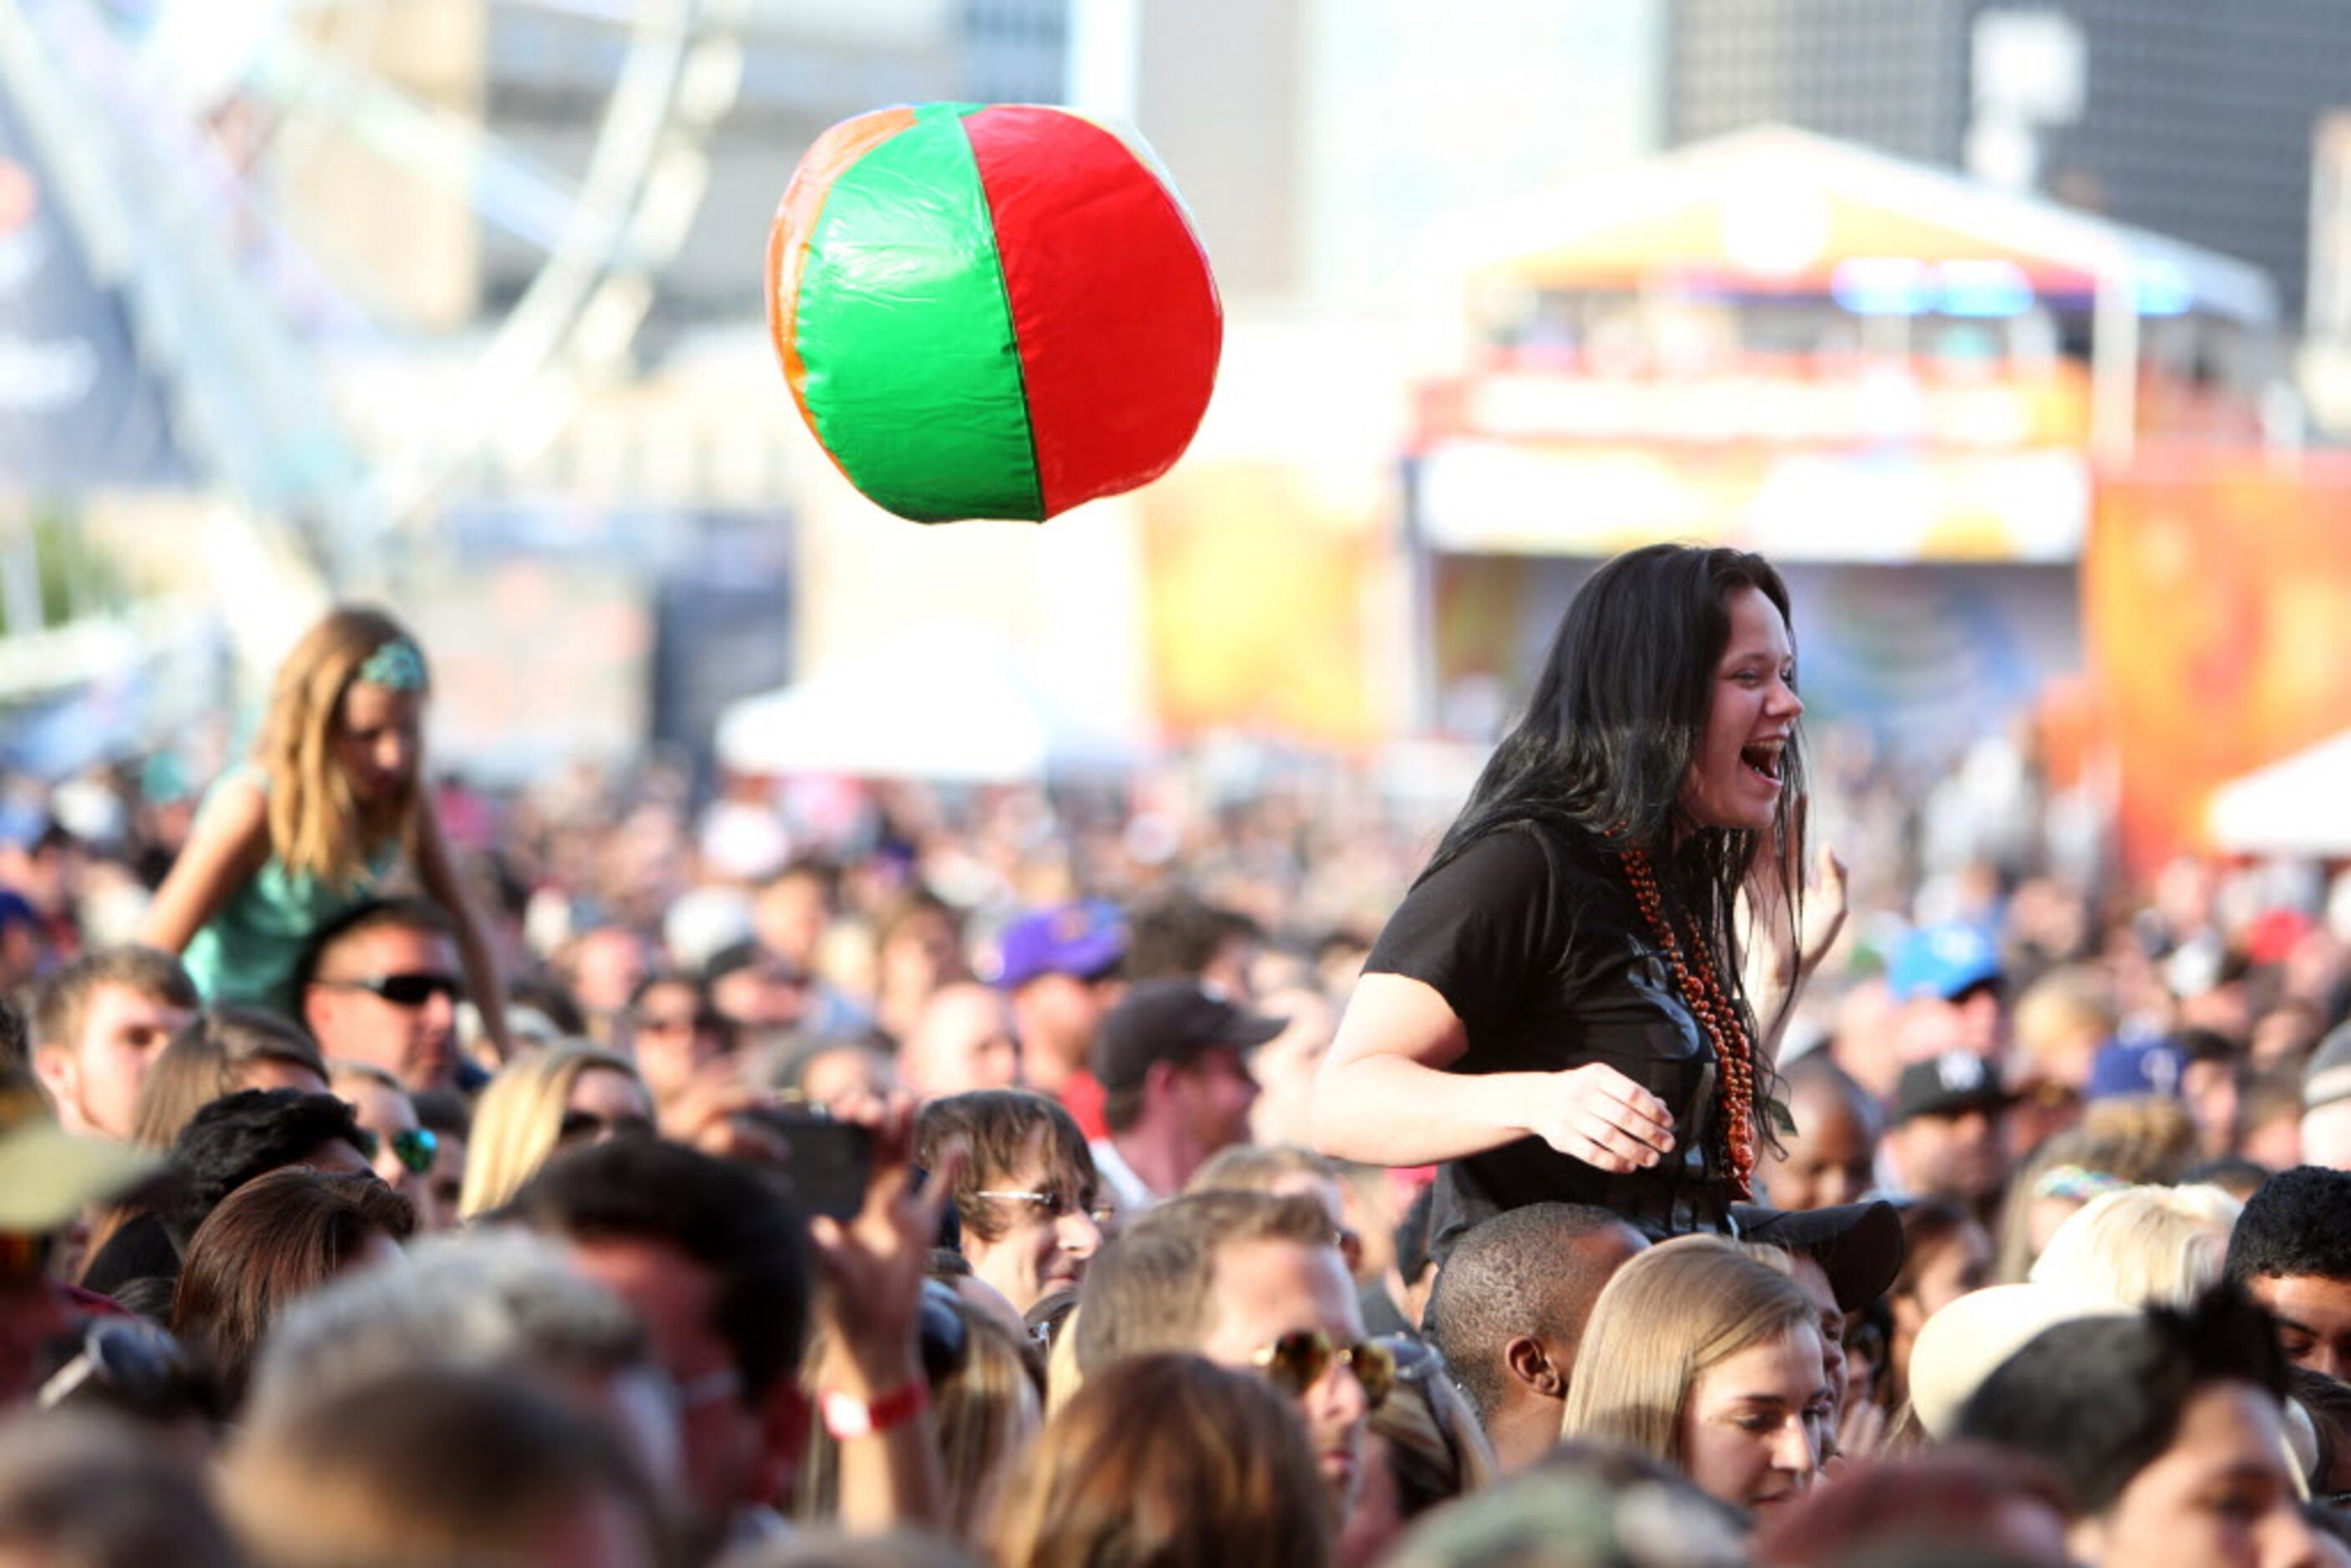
(226, 849)
(869, 1304)
(437, 869)
(1384, 1095)
(1782, 952)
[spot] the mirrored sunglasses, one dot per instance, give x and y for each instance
(1303, 1357)
(414, 1149)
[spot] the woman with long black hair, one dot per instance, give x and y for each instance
(1557, 1010)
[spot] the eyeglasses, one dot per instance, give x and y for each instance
(1303, 1357)
(127, 1357)
(1060, 1206)
(413, 1148)
(580, 1126)
(412, 990)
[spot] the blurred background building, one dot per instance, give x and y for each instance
(2182, 117)
(2026, 347)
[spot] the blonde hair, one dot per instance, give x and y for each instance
(2140, 1139)
(2143, 1247)
(519, 1119)
(316, 827)
(1063, 1375)
(2072, 1002)
(1261, 1168)
(1664, 1318)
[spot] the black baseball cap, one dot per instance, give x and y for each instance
(1951, 1084)
(1172, 1020)
(1857, 1245)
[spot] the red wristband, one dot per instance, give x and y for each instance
(846, 1417)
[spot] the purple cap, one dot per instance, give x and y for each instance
(1084, 939)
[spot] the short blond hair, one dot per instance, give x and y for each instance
(1153, 1288)
(1663, 1319)
(2143, 1247)
(1259, 1168)
(519, 1120)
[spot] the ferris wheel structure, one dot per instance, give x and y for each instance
(369, 246)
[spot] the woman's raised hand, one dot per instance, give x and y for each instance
(1782, 956)
(1596, 1115)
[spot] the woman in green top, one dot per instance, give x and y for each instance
(331, 801)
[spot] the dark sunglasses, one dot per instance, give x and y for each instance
(414, 1149)
(581, 1126)
(128, 1358)
(682, 1023)
(1303, 1357)
(409, 990)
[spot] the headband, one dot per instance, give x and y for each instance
(2076, 1183)
(396, 666)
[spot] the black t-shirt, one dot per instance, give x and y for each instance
(1531, 937)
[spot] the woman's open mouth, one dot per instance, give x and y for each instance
(1764, 759)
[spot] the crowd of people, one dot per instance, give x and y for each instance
(862, 1175)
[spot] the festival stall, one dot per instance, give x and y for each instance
(1858, 366)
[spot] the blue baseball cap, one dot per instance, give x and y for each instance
(1085, 939)
(1946, 961)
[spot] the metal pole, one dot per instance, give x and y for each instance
(2114, 367)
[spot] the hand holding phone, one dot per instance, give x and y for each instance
(826, 1163)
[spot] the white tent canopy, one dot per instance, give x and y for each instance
(944, 702)
(2301, 806)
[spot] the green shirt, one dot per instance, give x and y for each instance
(247, 953)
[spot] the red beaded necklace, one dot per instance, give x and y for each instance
(1734, 1050)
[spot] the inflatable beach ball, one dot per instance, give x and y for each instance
(990, 311)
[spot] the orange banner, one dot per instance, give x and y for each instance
(1259, 599)
(2216, 597)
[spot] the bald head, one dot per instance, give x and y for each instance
(962, 1042)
